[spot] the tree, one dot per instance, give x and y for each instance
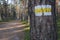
(0, 6)
(3, 10)
(42, 27)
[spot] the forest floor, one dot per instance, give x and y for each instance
(13, 30)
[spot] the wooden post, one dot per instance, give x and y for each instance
(42, 22)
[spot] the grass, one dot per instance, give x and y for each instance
(27, 30)
(24, 22)
(58, 25)
(6, 20)
(27, 34)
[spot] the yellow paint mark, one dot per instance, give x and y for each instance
(38, 10)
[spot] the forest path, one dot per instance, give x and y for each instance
(13, 30)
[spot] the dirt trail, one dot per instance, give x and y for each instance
(12, 31)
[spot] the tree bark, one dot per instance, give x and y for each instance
(41, 27)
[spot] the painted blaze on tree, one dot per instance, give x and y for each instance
(42, 20)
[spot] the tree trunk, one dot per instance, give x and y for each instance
(42, 27)
(0, 12)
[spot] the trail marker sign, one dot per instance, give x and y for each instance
(40, 9)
